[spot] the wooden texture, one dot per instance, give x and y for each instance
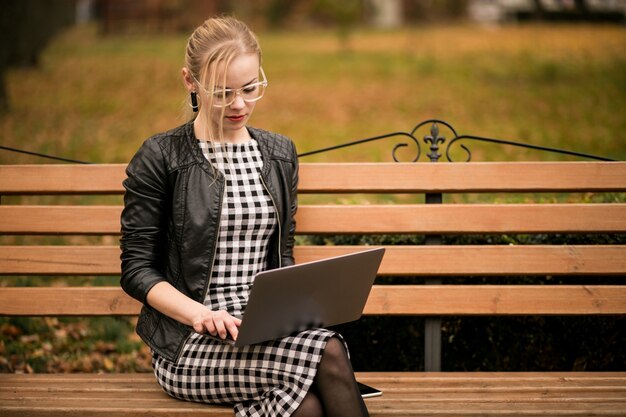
(60, 220)
(398, 260)
(338, 219)
(62, 179)
(454, 178)
(421, 300)
(463, 218)
(356, 177)
(407, 394)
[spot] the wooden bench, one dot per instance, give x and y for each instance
(406, 393)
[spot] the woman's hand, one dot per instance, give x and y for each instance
(175, 304)
(217, 323)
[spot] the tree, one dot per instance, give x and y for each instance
(27, 26)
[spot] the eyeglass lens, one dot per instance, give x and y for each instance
(252, 92)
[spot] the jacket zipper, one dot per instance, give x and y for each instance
(217, 237)
(280, 257)
(206, 289)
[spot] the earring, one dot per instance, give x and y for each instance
(194, 101)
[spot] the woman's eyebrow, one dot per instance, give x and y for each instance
(255, 79)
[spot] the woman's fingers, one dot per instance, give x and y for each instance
(220, 326)
(218, 323)
(232, 329)
(209, 325)
(198, 327)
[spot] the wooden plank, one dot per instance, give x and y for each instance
(381, 406)
(353, 177)
(60, 260)
(62, 220)
(484, 260)
(67, 301)
(408, 394)
(462, 218)
(462, 177)
(383, 300)
(397, 392)
(496, 300)
(392, 391)
(338, 219)
(123, 407)
(62, 179)
(398, 260)
(159, 398)
(445, 381)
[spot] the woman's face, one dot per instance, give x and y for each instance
(242, 71)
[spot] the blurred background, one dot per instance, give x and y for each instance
(91, 79)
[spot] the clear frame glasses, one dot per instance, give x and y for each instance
(224, 97)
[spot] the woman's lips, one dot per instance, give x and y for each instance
(238, 118)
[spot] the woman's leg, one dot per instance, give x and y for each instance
(310, 406)
(335, 383)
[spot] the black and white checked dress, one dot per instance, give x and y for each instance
(268, 379)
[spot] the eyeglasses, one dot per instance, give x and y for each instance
(224, 97)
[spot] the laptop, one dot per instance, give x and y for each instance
(310, 295)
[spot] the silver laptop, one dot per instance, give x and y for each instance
(315, 294)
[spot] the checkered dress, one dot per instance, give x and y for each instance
(267, 379)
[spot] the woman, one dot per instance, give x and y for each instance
(207, 206)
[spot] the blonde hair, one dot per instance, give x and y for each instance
(217, 41)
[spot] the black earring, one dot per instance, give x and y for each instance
(194, 101)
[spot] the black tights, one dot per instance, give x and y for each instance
(334, 391)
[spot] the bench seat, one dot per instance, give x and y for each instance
(418, 394)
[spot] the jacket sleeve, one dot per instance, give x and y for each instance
(143, 222)
(293, 199)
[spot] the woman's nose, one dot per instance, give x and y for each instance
(238, 103)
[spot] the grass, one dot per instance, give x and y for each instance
(97, 99)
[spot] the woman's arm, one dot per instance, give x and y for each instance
(143, 221)
(171, 302)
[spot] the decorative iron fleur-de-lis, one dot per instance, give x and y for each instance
(434, 140)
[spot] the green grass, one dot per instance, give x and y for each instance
(97, 98)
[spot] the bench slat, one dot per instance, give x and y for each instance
(608, 395)
(473, 177)
(337, 219)
(433, 380)
(62, 179)
(398, 260)
(61, 220)
(406, 393)
(355, 177)
(463, 218)
(384, 300)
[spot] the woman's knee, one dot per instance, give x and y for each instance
(310, 406)
(335, 359)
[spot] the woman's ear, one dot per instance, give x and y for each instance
(188, 80)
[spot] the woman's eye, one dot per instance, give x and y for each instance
(250, 89)
(223, 93)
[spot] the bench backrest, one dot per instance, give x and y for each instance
(27, 249)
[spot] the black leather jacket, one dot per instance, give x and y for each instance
(171, 217)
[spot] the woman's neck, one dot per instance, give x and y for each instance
(232, 136)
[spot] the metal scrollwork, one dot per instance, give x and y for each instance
(372, 139)
(434, 140)
(519, 145)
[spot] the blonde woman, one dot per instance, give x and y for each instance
(207, 206)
